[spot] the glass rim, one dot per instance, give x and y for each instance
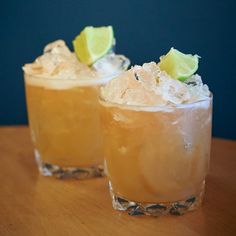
(167, 107)
(87, 81)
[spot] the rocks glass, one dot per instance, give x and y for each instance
(157, 156)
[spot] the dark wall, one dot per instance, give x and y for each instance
(144, 30)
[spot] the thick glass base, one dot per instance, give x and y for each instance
(176, 208)
(59, 172)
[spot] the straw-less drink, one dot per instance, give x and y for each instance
(157, 135)
(65, 123)
(62, 99)
(157, 156)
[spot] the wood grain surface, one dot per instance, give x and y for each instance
(31, 204)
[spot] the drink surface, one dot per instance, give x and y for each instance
(158, 156)
(65, 123)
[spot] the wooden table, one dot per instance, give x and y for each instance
(31, 204)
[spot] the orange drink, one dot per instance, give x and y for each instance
(156, 156)
(65, 126)
(62, 100)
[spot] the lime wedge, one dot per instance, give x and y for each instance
(179, 65)
(93, 43)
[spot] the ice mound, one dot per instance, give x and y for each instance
(148, 85)
(60, 63)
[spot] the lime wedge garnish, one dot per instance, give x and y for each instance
(93, 43)
(179, 65)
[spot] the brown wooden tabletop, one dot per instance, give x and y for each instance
(31, 204)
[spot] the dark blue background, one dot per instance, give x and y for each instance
(144, 30)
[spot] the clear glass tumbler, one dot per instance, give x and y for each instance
(157, 157)
(65, 125)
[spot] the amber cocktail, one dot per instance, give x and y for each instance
(62, 89)
(157, 157)
(65, 125)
